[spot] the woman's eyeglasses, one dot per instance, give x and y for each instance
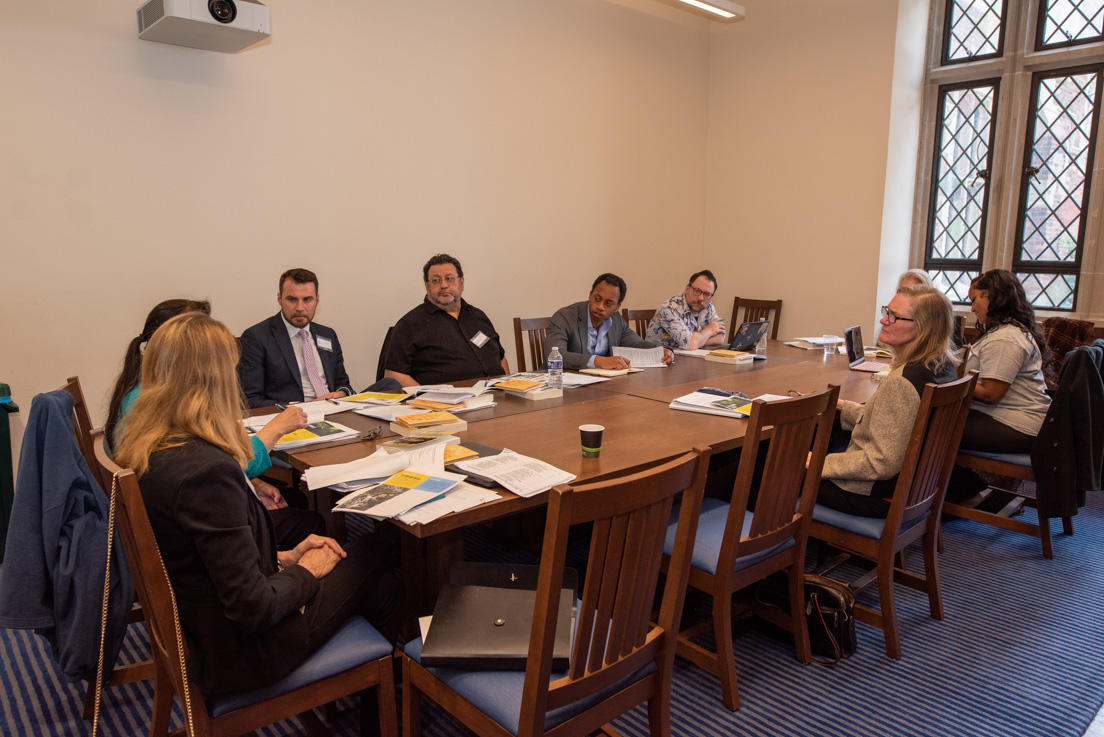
(893, 317)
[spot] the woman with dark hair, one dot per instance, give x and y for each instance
(251, 610)
(127, 382)
(1010, 400)
(917, 326)
(291, 525)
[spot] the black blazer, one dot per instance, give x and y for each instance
(1067, 455)
(240, 613)
(268, 369)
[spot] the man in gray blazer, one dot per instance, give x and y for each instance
(585, 332)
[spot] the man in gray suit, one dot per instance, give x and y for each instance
(585, 332)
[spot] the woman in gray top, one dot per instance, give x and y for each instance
(1010, 400)
(917, 326)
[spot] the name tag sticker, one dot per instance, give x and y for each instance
(324, 344)
(479, 339)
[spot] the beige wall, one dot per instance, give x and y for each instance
(799, 130)
(541, 142)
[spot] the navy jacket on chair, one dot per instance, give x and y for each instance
(54, 561)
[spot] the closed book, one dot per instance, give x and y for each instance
(428, 419)
(450, 428)
(538, 394)
(726, 356)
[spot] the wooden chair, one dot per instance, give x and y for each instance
(354, 659)
(735, 548)
(638, 320)
(755, 310)
(381, 363)
(535, 330)
(619, 659)
(1019, 469)
(914, 513)
(83, 425)
(84, 435)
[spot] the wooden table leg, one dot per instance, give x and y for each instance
(426, 563)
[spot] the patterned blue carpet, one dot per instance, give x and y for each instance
(1019, 652)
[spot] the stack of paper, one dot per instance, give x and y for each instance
(609, 373)
(316, 432)
(457, 499)
(390, 412)
(720, 402)
(520, 474)
(570, 380)
(403, 491)
(641, 358)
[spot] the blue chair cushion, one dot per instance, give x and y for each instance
(497, 693)
(356, 643)
(871, 527)
(1016, 459)
(707, 542)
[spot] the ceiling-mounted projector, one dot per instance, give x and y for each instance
(212, 25)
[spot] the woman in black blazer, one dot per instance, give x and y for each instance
(251, 613)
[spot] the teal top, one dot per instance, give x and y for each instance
(258, 464)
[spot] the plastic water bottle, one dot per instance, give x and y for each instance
(761, 346)
(555, 369)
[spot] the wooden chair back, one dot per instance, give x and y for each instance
(755, 310)
(534, 330)
(82, 422)
(638, 320)
(381, 363)
(154, 591)
(1062, 336)
(614, 634)
(789, 429)
(931, 451)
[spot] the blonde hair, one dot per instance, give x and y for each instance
(917, 274)
(189, 389)
(934, 320)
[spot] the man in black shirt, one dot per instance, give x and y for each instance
(444, 339)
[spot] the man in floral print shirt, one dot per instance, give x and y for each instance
(689, 320)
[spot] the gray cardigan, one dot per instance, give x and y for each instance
(880, 429)
(568, 332)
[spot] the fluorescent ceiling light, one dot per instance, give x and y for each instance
(718, 8)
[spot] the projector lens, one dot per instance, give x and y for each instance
(224, 11)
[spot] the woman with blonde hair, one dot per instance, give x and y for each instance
(251, 613)
(917, 326)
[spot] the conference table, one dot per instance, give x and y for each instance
(640, 431)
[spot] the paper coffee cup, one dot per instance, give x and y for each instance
(591, 436)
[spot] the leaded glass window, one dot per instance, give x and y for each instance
(1055, 184)
(1069, 22)
(973, 30)
(960, 186)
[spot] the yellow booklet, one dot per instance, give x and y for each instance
(377, 397)
(455, 453)
(426, 404)
(518, 385)
(427, 420)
